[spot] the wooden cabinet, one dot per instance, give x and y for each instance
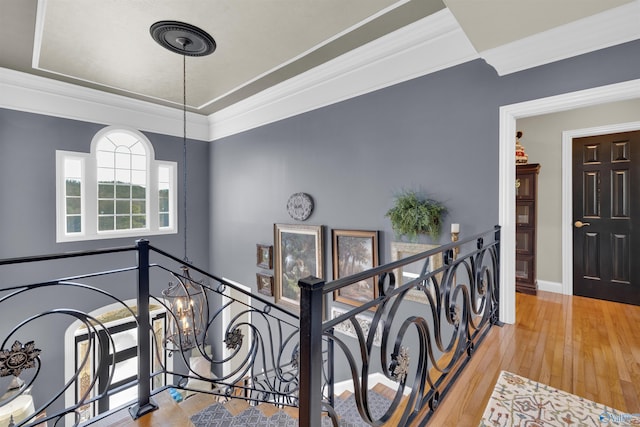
(526, 207)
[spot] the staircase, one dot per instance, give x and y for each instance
(238, 412)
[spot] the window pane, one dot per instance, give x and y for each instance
(138, 177)
(105, 159)
(73, 205)
(123, 175)
(106, 175)
(73, 168)
(123, 191)
(74, 224)
(139, 221)
(123, 222)
(105, 207)
(164, 220)
(105, 223)
(123, 207)
(138, 148)
(138, 207)
(138, 192)
(73, 187)
(123, 161)
(139, 163)
(163, 204)
(106, 191)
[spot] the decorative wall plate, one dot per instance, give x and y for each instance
(300, 206)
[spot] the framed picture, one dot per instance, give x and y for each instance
(264, 256)
(355, 251)
(363, 320)
(400, 250)
(265, 283)
(298, 254)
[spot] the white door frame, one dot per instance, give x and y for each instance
(507, 172)
(567, 193)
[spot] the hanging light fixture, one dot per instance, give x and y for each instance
(185, 297)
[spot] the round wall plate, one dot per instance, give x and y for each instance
(300, 206)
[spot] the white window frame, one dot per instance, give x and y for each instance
(89, 195)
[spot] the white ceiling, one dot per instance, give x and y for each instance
(262, 44)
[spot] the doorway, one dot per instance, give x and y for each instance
(606, 202)
(506, 177)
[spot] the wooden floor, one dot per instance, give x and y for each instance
(587, 347)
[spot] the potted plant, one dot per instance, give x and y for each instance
(412, 215)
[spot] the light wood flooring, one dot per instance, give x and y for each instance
(584, 346)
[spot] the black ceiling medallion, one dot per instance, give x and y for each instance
(182, 38)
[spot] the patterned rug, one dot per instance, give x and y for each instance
(217, 415)
(518, 401)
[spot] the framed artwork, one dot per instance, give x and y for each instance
(400, 250)
(363, 320)
(265, 283)
(355, 251)
(298, 254)
(264, 256)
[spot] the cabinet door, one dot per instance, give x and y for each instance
(525, 214)
(524, 241)
(524, 269)
(525, 186)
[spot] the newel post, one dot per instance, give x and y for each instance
(310, 397)
(145, 403)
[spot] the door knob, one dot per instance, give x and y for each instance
(580, 224)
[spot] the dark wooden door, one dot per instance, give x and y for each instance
(606, 214)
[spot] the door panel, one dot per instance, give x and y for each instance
(606, 210)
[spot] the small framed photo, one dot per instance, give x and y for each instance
(355, 251)
(264, 256)
(265, 284)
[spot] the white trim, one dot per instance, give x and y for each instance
(507, 128)
(34, 94)
(70, 347)
(375, 378)
(546, 286)
(605, 29)
(426, 46)
(567, 193)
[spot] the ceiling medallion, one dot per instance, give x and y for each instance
(300, 206)
(182, 38)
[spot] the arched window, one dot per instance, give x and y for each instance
(117, 190)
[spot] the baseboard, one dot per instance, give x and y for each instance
(555, 287)
(374, 379)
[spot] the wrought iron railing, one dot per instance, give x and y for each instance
(261, 352)
(253, 356)
(417, 335)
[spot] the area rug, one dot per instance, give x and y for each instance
(519, 402)
(217, 415)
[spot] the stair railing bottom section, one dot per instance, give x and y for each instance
(255, 360)
(418, 334)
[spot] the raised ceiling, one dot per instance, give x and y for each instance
(106, 45)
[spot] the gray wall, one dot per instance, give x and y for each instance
(542, 140)
(27, 227)
(437, 133)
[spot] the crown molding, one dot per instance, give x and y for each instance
(426, 46)
(605, 29)
(35, 94)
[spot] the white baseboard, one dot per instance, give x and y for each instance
(374, 379)
(544, 285)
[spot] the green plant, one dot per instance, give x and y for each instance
(412, 215)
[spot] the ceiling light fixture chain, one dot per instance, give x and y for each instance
(186, 40)
(184, 146)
